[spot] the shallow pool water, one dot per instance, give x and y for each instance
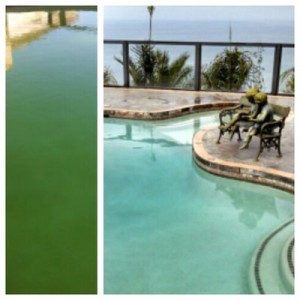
(171, 228)
(51, 152)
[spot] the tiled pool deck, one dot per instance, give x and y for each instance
(223, 159)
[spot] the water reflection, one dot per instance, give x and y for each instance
(127, 135)
(197, 100)
(250, 203)
(8, 49)
(142, 137)
(196, 124)
(152, 135)
(23, 27)
(127, 130)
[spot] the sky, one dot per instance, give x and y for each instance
(230, 13)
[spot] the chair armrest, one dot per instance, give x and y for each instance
(270, 126)
(228, 111)
(233, 108)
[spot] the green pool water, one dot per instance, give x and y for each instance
(171, 228)
(51, 155)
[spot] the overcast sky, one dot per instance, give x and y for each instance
(230, 13)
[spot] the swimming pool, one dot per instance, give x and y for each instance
(170, 227)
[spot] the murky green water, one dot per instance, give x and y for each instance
(51, 154)
(170, 227)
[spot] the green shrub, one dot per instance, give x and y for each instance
(229, 70)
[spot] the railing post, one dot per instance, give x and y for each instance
(276, 69)
(198, 50)
(126, 63)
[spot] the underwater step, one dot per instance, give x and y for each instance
(287, 263)
(272, 265)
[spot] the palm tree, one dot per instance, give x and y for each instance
(141, 65)
(109, 78)
(171, 74)
(151, 11)
(150, 67)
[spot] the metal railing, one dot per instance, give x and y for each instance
(278, 47)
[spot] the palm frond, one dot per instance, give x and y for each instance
(152, 67)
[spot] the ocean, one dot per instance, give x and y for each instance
(201, 31)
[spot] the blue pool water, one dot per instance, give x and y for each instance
(171, 228)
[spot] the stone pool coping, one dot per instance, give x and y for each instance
(168, 113)
(237, 170)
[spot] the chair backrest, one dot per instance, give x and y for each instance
(280, 112)
(244, 101)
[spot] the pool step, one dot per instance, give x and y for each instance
(287, 263)
(272, 265)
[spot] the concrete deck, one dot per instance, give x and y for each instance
(223, 159)
(150, 100)
(147, 104)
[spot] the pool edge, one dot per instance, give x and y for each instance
(240, 171)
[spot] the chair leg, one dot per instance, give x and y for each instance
(220, 135)
(260, 150)
(278, 148)
(239, 134)
(233, 131)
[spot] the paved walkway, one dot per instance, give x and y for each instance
(159, 100)
(159, 104)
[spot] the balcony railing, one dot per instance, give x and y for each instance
(275, 51)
